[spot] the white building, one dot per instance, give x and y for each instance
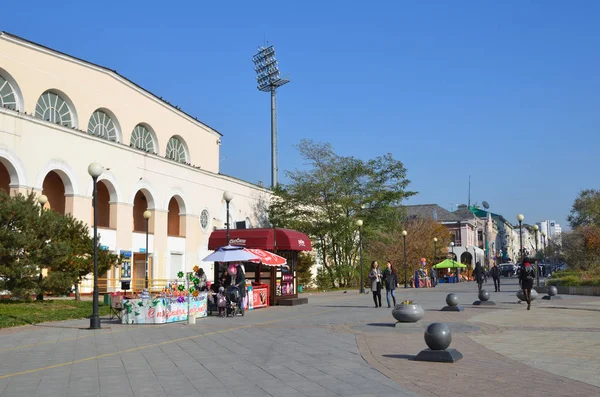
(59, 113)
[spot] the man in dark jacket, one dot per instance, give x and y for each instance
(496, 276)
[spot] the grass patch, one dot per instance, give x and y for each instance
(14, 313)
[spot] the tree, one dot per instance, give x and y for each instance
(581, 248)
(586, 209)
(419, 244)
(304, 265)
(32, 240)
(325, 201)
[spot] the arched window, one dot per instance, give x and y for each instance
(8, 97)
(53, 108)
(102, 126)
(176, 150)
(142, 139)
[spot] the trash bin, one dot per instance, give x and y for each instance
(106, 299)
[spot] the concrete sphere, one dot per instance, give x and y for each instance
(452, 300)
(438, 336)
(484, 295)
(521, 297)
(552, 290)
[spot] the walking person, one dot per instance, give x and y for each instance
(478, 275)
(526, 277)
(390, 277)
(433, 275)
(375, 277)
(496, 276)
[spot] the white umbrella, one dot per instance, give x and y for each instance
(231, 253)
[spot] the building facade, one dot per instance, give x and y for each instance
(58, 114)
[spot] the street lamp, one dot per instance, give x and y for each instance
(404, 233)
(227, 196)
(434, 250)
(452, 248)
(537, 266)
(95, 170)
(147, 215)
(359, 223)
(520, 218)
(544, 244)
(43, 199)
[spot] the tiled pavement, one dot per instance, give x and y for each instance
(335, 346)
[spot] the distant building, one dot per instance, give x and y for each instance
(551, 228)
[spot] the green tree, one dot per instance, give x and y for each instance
(327, 198)
(586, 209)
(304, 264)
(32, 240)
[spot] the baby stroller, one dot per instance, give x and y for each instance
(234, 301)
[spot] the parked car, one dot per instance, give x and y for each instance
(508, 270)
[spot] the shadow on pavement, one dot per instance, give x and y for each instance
(359, 307)
(390, 325)
(401, 356)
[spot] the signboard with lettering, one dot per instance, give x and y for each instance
(126, 265)
(163, 310)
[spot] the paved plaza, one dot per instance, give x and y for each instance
(337, 345)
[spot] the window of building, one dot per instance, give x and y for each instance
(8, 97)
(53, 108)
(102, 126)
(141, 138)
(204, 220)
(176, 150)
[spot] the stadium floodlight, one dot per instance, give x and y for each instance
(268, 79)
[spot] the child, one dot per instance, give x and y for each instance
(221, 302)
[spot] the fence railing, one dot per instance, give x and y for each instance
(136, 284)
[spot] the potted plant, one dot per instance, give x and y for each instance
(408, 312)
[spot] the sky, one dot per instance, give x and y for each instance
(507, 92)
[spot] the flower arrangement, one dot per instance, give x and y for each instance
(407, 302)
(196, 269)
(180, 275)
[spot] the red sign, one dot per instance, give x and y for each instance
(261, 297)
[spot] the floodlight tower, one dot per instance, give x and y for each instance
(268, 79)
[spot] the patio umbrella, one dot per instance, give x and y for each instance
(449, 263)
(231, 253)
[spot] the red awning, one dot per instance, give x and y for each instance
(266, 239)
(267, 258)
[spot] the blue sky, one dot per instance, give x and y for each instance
(505, 91)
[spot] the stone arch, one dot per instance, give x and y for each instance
(17, 90)
(64, 171)
(15, 172)
(111, 184)
(176, 216)
(142, 200)
(54, 186)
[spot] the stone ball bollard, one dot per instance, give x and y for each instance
(484, 295)
(438, 336)
(552, 291)
(452, 300)
(521, 296)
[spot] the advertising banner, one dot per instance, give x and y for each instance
(163, 310)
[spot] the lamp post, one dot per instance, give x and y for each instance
(434, 250)
(359, 223)
(544, 245)
(147, 215)
(95, 170)
(520, 218)
(43, 199)
(404, 233)
(452, 248)
(537, 266)
(227, 196)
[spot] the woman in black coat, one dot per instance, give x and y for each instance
(478, 275)
(526, 277)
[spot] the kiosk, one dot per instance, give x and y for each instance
(282, 280)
